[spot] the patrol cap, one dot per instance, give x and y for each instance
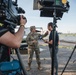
(32, 27)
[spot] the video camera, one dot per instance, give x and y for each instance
(9, 11)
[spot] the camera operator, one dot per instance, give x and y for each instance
(9, 40)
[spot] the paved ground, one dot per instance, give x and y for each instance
(63, 56)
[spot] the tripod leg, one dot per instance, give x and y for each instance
(68, 60)
(20, 60)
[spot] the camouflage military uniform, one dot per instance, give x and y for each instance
(33, 47)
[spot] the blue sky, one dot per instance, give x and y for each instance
(66, 24)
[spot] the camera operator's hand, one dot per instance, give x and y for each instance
(23, 20)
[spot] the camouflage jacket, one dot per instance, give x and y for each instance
(31, 37)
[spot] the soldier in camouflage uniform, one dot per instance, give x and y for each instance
(32, 41)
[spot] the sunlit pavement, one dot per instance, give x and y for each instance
(63, 56)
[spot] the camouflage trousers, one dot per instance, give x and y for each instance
(31, 53)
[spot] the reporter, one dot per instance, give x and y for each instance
(12, 40)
